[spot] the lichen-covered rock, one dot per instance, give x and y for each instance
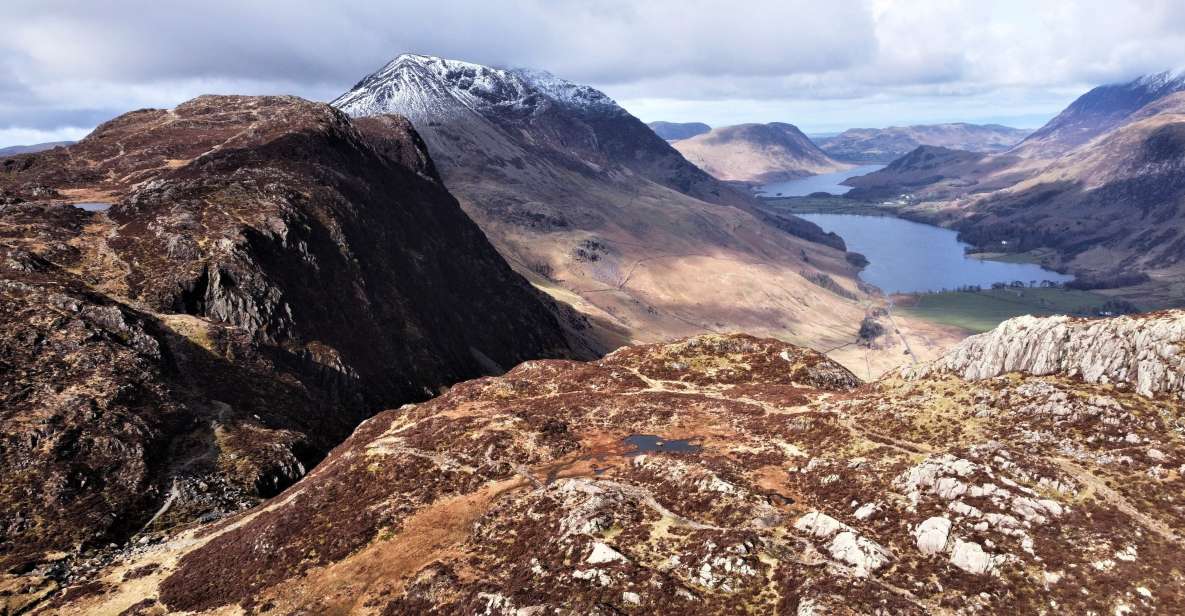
(523, 493)
(1144, 352)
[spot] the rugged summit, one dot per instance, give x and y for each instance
(719, 474)
(883, 145)
(269, 274)
(592, 206)
(757, 153)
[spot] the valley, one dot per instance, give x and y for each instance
(473, 338)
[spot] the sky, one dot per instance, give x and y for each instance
(825, 65)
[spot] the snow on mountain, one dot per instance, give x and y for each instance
(426, 88)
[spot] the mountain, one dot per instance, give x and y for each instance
(1096, 112)
(673, 131)
(269, 274)
(758, 153)
(596, 209)
(13, 150)
(883, 145)
(931, 172)
(1097, 192)
(1035, 468)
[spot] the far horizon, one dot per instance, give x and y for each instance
(823, 67)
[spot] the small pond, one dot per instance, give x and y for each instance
(93, 206)
(649, 443)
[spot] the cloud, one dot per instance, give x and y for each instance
(65, 63)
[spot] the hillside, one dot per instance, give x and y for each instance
(1096, 112)
(596, 209)
(673, 131)
(757, 153)
(1034, 469)
(269, 274)
(1098, 191)
(884, 145)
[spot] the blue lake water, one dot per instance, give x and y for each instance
(910, 257)
(827, 182)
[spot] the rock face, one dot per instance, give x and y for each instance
(884, 145)
(1141, 352)
(757, 153)
(268, 275)
(806, 492)
(592, 206)
(674, 131)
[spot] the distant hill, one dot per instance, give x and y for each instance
(883, 145)
(757, 153)
(673, 131)
(13, 150)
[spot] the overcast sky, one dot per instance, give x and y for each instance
(825, 65)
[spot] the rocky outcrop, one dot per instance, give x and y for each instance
(1145, 353)
(269, 274)
(718, 474)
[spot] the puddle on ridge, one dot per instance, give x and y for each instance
(93, 206)
(649, 443)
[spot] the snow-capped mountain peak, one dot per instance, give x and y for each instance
(428, 87)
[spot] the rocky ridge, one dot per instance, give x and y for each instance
(781, 484)
(264, 275)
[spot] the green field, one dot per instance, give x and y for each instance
(982, 311)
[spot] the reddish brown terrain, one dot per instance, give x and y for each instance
(269, 274)
(1035, 469)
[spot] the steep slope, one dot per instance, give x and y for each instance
(593, 207)
(727, 474)
(268, 275)
(673, 131)
(883, 145)
(757, 153)
(1096, 112)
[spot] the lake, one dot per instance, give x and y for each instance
(910, 257)
(827, 182)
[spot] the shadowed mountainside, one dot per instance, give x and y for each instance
(268, 275)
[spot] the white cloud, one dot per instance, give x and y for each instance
(875, 61)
